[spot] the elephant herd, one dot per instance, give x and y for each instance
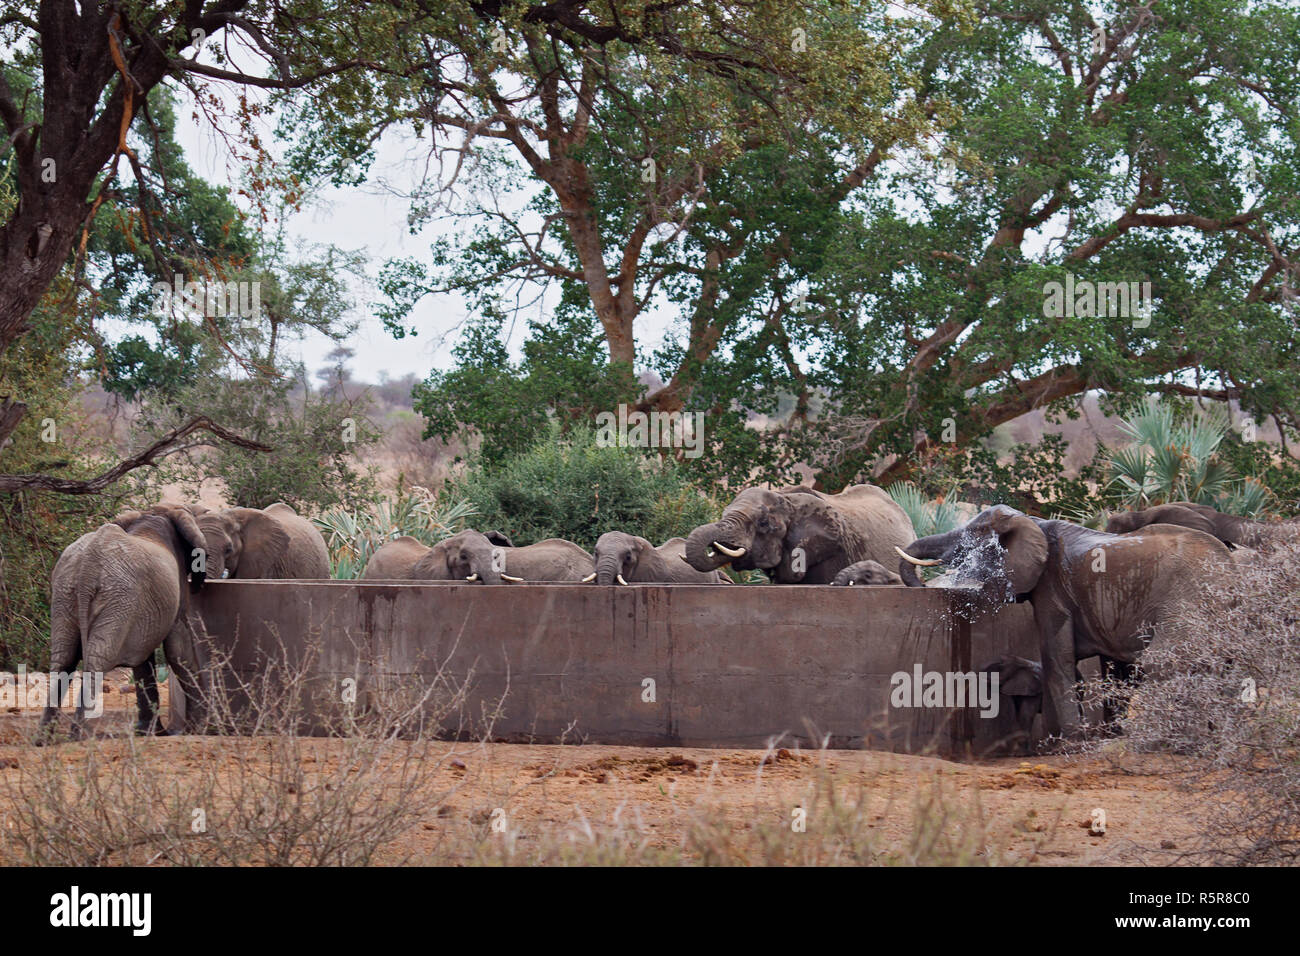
(122, 591)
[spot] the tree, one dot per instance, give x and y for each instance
(79, 78)
(910, 291)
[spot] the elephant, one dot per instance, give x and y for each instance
(395, 559)
(1233, 530)
(1021, 680)
(871, 573)
(479, 558)
(1093, 593)
(623, 558)
(801, 536)
(274, 542)
(119, 592)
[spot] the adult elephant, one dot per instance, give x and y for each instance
(623, 558)
(274, 542)
(1232, 530)
(478, 558)
(801, 536)
(118, 593)
(1093, 593)
(458, 556)
(395, 559)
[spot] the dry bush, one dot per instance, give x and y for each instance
(841, 827)
(1223, 686)
(272, 797)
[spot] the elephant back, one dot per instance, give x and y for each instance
(873, 524)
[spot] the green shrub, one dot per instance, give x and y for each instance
(352, 536)
(1174, 456)
(928, 517)
(568, 486)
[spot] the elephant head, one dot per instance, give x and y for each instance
(258, 545)
(750, 534)
(219, 534)
(617, 556)
(465, 556)
(1002, 551)
(871, 573)
(174, 525)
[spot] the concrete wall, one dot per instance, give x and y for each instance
(732, 666)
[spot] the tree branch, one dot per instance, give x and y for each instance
(159, 449)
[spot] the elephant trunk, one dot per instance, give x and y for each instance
(928, 549)
(702, 552)
(608, 568)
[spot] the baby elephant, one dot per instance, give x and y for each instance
(1021, 680)
(627, 559)
(865, 572)
(118, 593)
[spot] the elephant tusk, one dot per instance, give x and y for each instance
(850, 584)
(729, 552)
(928, 563)
(683, 557)
(508, 577)
(472, 577)
(621, 581)
(589, 578)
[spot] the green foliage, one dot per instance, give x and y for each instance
(314, 436)
(568, 486)
(352, 536)
(35, 527)
(1174, 457)
(505, 408)
(1034, 479)
(928, 517)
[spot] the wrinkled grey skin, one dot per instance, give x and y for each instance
(118, 593)
(1082, 607)
(778, 531)
(394, 560)
(475, 557)
(637, 561)
(553, 559)
(1232, 530)
(275, 542)
(452, 559)
(1021, 680)
(868, 573)
(467, 556)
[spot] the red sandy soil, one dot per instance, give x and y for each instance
(1034, 810)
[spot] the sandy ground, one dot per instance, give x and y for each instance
(1034, 810)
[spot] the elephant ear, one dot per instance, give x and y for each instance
(192, 536)
(499, 538)
(265, 543)
(1026, 547)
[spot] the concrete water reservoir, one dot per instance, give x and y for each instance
(648, 665)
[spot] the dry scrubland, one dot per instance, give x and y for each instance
(125, 800)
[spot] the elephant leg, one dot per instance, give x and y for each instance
(181, 649)
(65, 655)
(1120, 672)
(148, 720)
(1056, 647)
